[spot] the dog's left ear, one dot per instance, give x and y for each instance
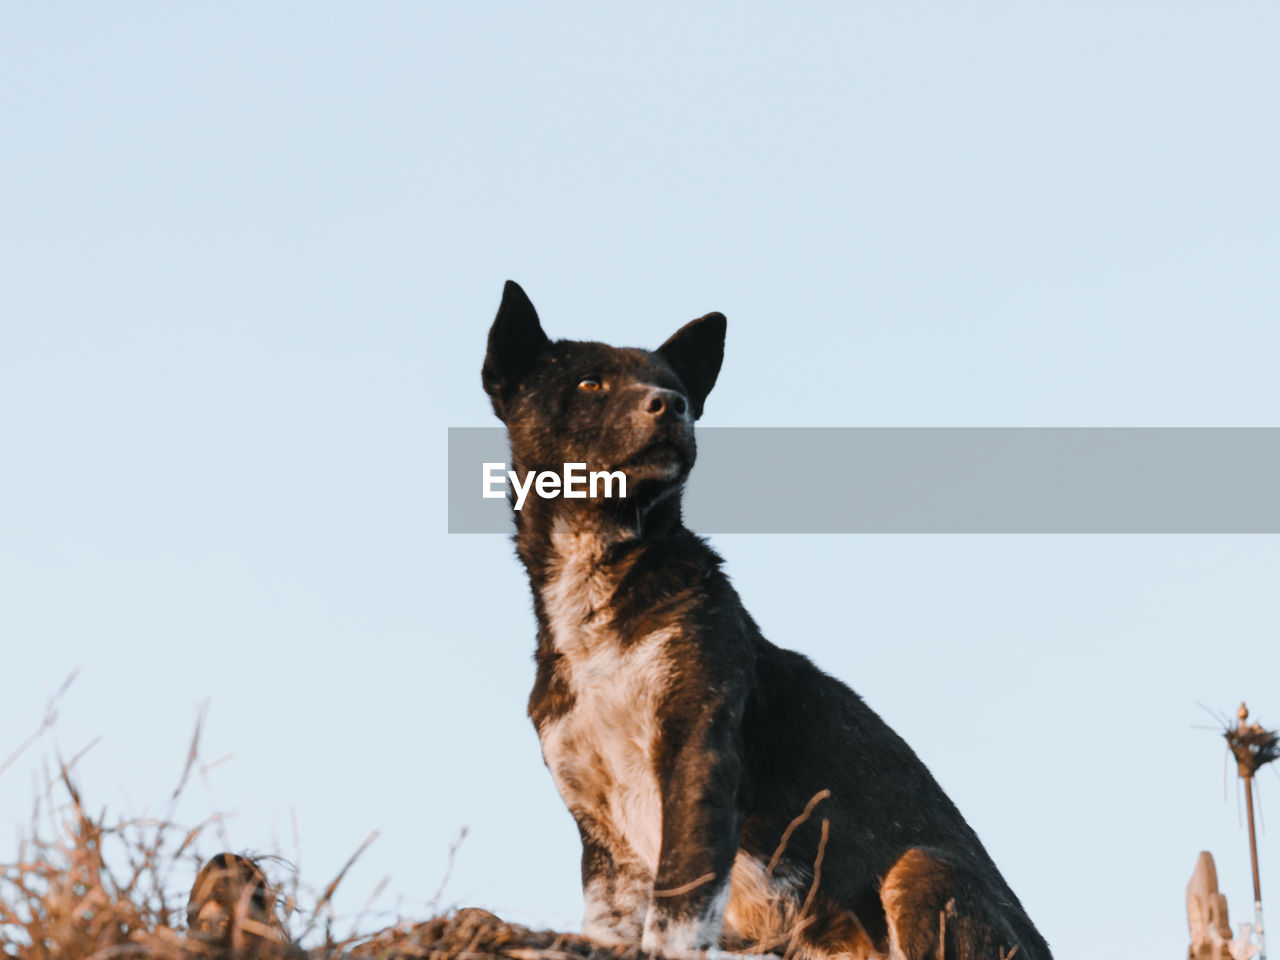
(695, 353)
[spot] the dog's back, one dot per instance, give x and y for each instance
(726, 791)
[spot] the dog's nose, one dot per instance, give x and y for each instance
(659, 400)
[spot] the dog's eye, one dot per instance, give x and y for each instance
(590, 383)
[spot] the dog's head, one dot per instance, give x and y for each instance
(612, 408)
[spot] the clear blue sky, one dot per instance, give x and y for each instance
(248, 257)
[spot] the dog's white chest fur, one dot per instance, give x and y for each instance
(601, 751)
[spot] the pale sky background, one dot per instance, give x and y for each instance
(248, 258)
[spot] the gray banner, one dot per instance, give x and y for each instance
(927, 480)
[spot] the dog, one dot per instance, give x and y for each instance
(728, 793)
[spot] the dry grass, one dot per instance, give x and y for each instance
(85, 889)
(63, 899)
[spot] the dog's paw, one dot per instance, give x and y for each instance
(676, 937)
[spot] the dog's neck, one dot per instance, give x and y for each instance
(593, 574)
(605, 530)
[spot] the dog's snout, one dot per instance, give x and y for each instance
(659, 400)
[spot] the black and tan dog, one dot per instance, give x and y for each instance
(683, 742)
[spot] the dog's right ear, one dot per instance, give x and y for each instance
(515, 340)
(695, 353)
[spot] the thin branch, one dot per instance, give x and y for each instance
(791, 828)
(804, 919)
(333, 884)
(50, 717)
(686, 887)
(434, 902)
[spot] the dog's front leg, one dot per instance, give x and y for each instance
(699, 773)
(615, 886)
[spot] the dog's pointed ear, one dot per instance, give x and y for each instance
(695, 353)
(515, 340)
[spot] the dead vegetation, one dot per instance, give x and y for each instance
(67, 898)
(83, 888)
